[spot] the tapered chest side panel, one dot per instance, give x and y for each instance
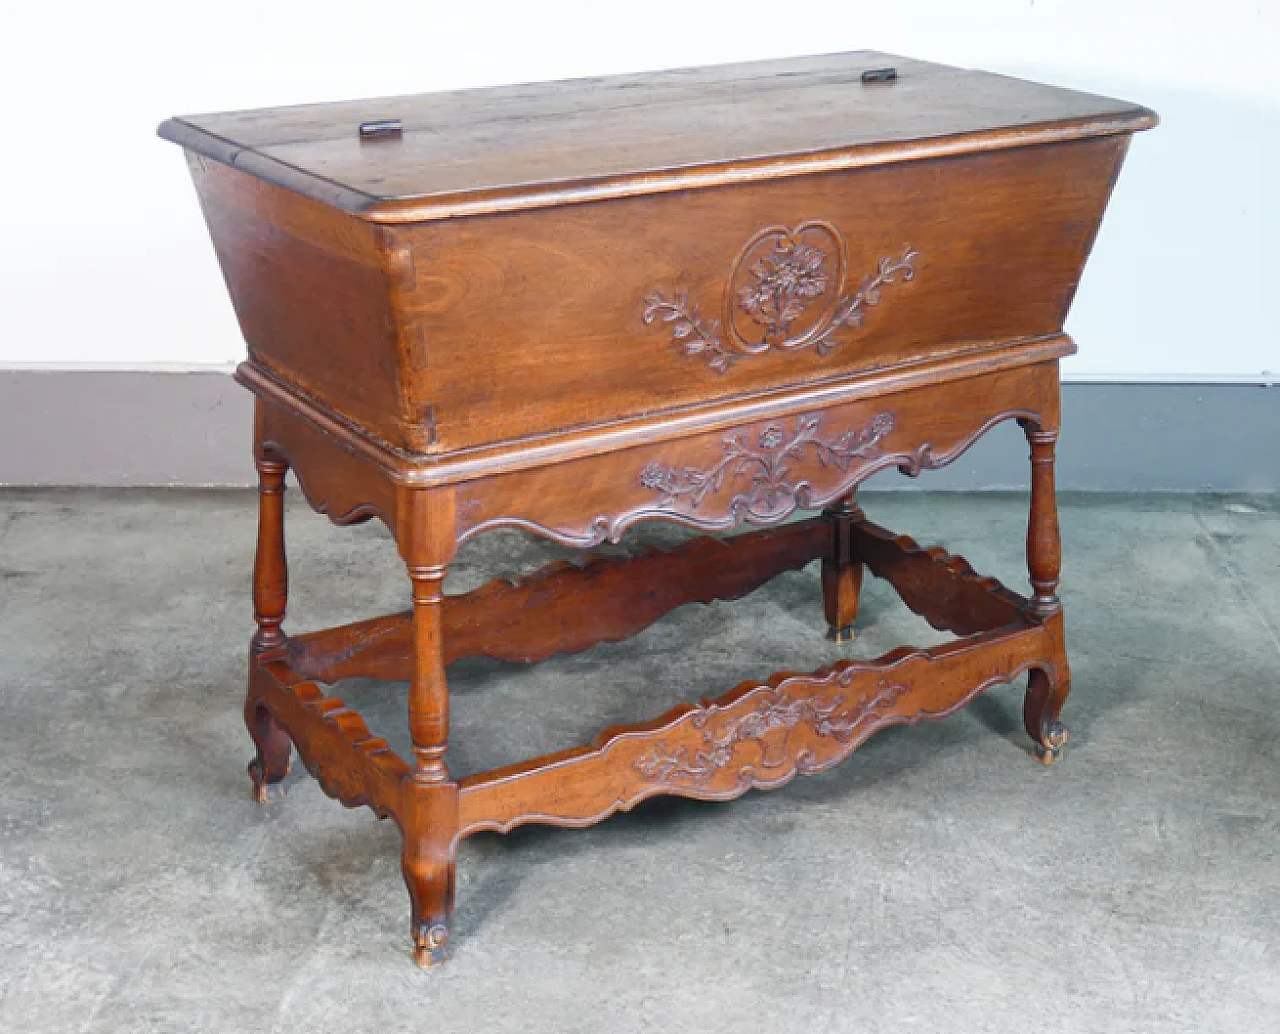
(312, 291)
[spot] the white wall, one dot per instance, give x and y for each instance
(104, 259)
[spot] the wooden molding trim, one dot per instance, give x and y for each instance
(458, 204)
(422, 470)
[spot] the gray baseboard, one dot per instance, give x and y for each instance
(131, 428)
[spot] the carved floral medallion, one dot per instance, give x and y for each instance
(768, 461)
(785, 290)
(783, 285)
(768, 726)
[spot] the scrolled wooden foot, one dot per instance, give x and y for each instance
(1043, 704)
(429, 946)
(274, 759)
(264, 790)
(1049, 750)
(429, 824)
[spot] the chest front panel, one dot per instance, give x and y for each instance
(528, 323)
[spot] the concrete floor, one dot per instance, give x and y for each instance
(939, 880)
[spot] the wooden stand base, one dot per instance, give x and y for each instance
(758, 735)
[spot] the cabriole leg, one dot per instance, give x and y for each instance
(1045, 694)
(270, 597)
(841, 572)
(271, 765)
(429, 826)
(1040, 711)
(429, 811)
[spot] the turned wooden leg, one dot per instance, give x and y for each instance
(270, 597)
(1045, 694)
(841, 572)
(429, 812)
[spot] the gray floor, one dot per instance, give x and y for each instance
(937, 881)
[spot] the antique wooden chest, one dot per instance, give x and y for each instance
(714, 296)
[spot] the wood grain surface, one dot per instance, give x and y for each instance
(516, 147)
(716, 297)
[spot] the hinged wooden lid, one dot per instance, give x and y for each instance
(531, 146)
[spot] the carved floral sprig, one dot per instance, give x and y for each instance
(831, 718)
(768, 462)
(852, 313)
(688, 331)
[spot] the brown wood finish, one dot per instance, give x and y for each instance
(1045, 697)
(756, 736)
(270, 599)
(841, 571)
(942, 589)
(798, 459)
(549, 144)
(606, 264)
(982, 281)
(715, 297)
(567, 606)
